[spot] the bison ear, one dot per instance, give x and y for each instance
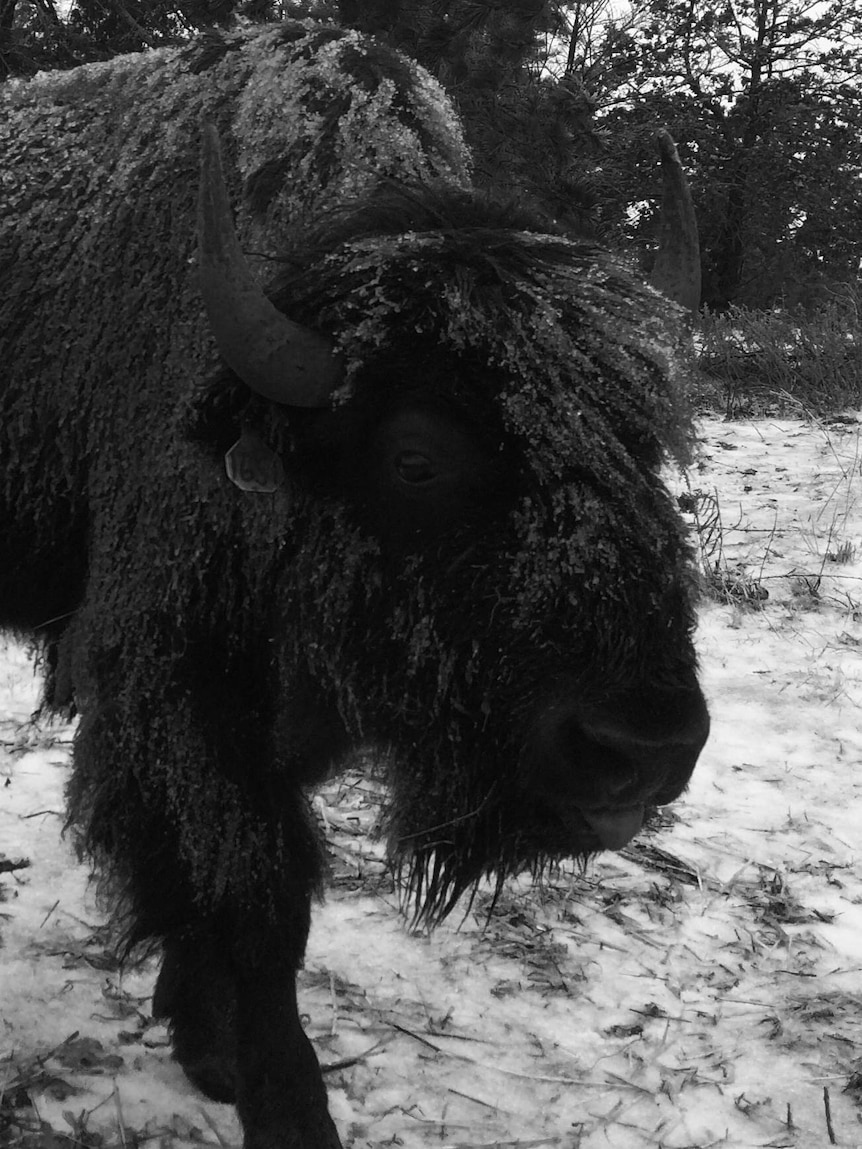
(274, 356)
(252, 466)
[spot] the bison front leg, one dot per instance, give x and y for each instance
(237, 1034)
(188, 782)
(281, 1098)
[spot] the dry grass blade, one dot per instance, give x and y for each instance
(653, 857)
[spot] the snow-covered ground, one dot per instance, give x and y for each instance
(703, 987)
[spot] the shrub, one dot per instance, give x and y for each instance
(776, 360)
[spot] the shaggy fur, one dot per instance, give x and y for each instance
(226, 650)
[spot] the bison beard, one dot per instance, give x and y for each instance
(472, 562)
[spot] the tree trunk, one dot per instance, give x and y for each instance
(7, 19)
(730, 250)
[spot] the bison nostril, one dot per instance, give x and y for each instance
(680, 727)
(618, 758)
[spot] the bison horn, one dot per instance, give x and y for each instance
(677, 267)
(274, 356)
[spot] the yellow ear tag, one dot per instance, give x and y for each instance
(252, 466)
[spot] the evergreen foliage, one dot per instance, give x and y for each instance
(764, 101)
(530, 133)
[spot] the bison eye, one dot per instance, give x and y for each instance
(414, 467)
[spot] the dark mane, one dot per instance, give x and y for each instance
(466, 217)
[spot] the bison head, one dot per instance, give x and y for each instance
(480, 568)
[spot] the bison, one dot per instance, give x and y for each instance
(441, 529)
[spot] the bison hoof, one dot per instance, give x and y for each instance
(213, 1075)
(196, 997)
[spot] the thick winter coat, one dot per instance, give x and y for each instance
(446, 535)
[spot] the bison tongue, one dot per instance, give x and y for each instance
(614, 828)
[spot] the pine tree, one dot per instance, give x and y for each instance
(764, 100)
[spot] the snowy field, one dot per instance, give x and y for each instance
(701, 988)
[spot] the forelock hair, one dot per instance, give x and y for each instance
(588, 350)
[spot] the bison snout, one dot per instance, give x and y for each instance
(597, 768)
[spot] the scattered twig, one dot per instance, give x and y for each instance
(503, 1144)
(475, 1100)
(346, 1062)
(333, 999)
(214, 1129)
(121, 1124)
(49, 913)
(827, 1105)
(416, 1036)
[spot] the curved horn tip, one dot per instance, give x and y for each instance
(273, 355)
